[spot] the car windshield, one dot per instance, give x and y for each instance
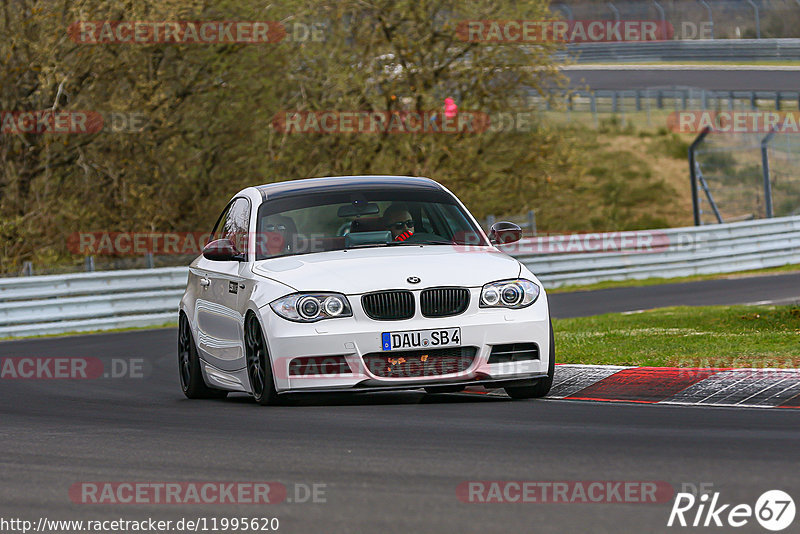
(325, 221)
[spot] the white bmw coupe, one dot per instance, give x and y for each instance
(360, 283)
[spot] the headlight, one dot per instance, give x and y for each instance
(311, 307)
(509, 294)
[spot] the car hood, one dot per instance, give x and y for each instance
(363, 270)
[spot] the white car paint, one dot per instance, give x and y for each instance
(217, 314)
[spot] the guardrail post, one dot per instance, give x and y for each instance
(89, 263)
(593, 106)
(730, 100)
(663, 20)
(752, 100)
(532, 221)
(27, 268)
(565, 8)
(568, 100)
(615, 10)
(693, 174)
(704, 99)
(148, 258)
(710, 16)
(765, 168)
(758, 21)
(777, 100)
(660, 99)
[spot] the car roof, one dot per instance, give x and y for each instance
(344, 183)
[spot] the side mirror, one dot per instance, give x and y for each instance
(222, 250)
(503, 233)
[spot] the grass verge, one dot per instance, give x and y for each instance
(657, 281)
(712, 336)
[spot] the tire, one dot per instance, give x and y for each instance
(259, 368)
(192, 383)
(540, 386)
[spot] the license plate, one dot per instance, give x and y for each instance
(421, 339)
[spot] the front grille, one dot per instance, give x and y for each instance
(444, 301)
(389, 305)
(514, 352)
(319, 365)
(420, 363)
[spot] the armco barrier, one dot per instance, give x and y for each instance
(685, 50)
(674, 252)
(104, 300)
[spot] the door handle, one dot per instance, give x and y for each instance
(205, 282)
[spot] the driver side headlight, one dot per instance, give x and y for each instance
(312, 307)
(513, 294)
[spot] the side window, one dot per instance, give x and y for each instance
(237, 224)
(425, 221)
(217, 233)
(233, 224)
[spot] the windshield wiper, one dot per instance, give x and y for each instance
(395, 243)
(366, 245)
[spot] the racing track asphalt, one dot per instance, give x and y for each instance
(735, 79)
(769, 289)
(391, 462)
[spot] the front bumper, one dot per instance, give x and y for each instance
(353, 337)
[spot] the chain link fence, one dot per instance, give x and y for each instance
(783, 157)
(747, 176)
(649, 106)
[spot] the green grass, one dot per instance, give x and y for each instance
(657, 281)
(713, 336)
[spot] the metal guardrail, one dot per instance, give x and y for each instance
(102, 300)
(53, 304)
(677, 98)
(685, 50)
(673, 252)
